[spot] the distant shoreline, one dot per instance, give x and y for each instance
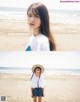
(47, 72)
(22, 9)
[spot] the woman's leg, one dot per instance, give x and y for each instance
(34, 99)
(39, 99)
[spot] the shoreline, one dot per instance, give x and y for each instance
(23, 70)
(45, 74)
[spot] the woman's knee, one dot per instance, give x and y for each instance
(34, 99)
(40, 99)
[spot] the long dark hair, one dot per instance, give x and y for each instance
(41, 10)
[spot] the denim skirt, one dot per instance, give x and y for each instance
(38, 92)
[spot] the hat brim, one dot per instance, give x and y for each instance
(38, 65)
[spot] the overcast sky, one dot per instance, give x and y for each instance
(58, 59)
(51, 4)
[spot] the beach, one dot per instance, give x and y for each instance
(58, 88)
(15, 35)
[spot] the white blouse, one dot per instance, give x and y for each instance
(38, 43)
(34, 81)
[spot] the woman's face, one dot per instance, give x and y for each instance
(33, 20)
(37, 71)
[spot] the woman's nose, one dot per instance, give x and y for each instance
(32, 19)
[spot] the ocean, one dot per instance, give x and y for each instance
(48, 71)
(56, 16)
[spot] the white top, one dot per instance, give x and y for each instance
(38, 43)
(35, 80)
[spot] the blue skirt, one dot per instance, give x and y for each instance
(37, 92)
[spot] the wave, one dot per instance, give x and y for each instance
(48, 71)
(60, 16)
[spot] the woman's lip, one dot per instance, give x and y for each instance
(31, 24)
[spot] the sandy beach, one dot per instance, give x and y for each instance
(58, 88)
(15, 34)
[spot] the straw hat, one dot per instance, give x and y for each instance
(38, 65)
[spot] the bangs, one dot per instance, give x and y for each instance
(34, 11)
(38, 68)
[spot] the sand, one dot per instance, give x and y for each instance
(15, 35)
(58, 88)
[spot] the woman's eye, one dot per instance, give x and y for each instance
(29, 15)
(37, 16)
(34, 16)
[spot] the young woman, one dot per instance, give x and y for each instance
(37, 83)
(38, 20)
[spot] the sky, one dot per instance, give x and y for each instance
(58, 59)
(51, 4)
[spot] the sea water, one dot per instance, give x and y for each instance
(56, 16)
(48, 71)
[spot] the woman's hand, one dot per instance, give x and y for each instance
(32, 95)
(43, 94)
